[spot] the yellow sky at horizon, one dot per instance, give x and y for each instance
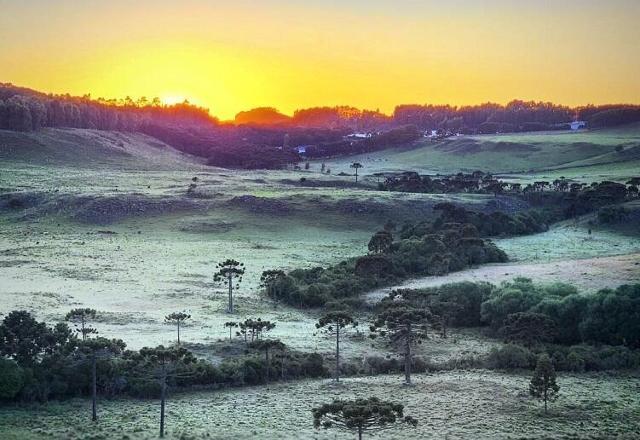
(232, 56)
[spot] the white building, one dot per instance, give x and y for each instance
(577, 125)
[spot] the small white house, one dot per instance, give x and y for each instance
(359, 135)
(431, 133)
(577, 125)
(301, 149)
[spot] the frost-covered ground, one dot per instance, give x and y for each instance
(456, 405)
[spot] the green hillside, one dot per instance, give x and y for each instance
(565, 152)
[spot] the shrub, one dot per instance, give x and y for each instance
(510, 356)
(11, 379)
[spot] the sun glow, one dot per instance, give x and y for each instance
(173, 99)
(233, 56)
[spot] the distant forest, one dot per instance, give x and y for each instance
(265, 138)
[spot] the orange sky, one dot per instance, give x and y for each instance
(235, 55)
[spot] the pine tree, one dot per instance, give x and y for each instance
(543, 385)
(228, 271)
(360, 416)
(177, 318)
(334, 324)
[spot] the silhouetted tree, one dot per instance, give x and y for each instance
(335, 324)
(404, 325)
(255, 328)
(268, 345)
(445, 311)
(269, 281)
(80, 317)
(381, 242)
(26, 340)
(230, 325)
(228, 271)
(92, 350)
(161, 364)
(543, 384)
(356, 166)
(177, 318)
(360, 415)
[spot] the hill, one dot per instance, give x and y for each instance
(616, 148)
(84, 147)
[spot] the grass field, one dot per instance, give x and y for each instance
(585, 155)
(457, 404)
(125, 236)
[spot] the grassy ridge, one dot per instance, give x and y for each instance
(510, 153)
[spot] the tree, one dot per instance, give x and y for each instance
(92, 350)
(177, 318)
(231, 325)
(446, 311)
(529, 328)
(543, 384)
(80, 317)
(381, 242)
(269, 281)
(228, 271)
(356, 166)
(335, 324)
(255, 328)
(25, 340)
(161, 364)
(360, 415)
(267, 345)
(11, 379)
(404, 325)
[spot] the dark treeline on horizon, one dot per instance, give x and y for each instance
(266, 138)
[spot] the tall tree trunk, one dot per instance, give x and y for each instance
(337, 353)
(230, 279)
(163, 394)
(266, 354)
(230, 334)
(407, 356)
(356, 175)
(359, 432)
(545, 399)
(94, 387)
(178, 333)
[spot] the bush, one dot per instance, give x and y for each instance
(11, 379)
(510, 356)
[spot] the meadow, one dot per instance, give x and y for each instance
(137, 239)
(584, 155)
(456, 404)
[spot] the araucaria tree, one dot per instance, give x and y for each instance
(268, 345)
(228, 271)
(230, 325)
(177, 318)
(162, 365)
(269, 282)
(254, 328)
(335, 324)
(543, 384)
(360, 416)
(404, 325)
(92, 350)
(381, 242)
(356, 166)
(80, 317)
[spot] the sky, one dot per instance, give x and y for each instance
(230, 56)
